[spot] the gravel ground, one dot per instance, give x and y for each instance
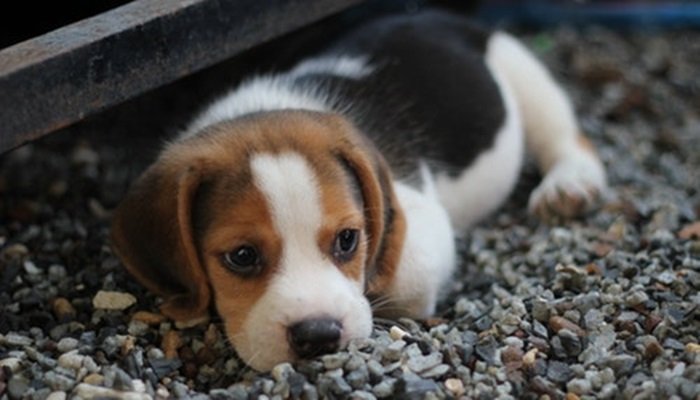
(603, 307)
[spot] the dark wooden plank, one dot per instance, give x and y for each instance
(56, 79)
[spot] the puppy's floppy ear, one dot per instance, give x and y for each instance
(385, 223)
(152, 234)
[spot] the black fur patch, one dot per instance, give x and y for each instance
(430, 96)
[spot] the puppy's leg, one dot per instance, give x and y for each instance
(573, 174)
(428, 257)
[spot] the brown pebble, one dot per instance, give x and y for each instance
(650, 322)
(171, 343)
(186, 354)
(601, 249)
(539, 343)
(63, 310)
(205, 356)
(557, 323)
(571, 396)
(653, 349)
(211, 336)
(148, 318)
(128, 345)
(190, 370)
(594, 269)
(511, 354)
(690, 231)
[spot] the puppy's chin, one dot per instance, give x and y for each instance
(262, 342)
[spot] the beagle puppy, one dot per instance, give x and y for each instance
(292, 202)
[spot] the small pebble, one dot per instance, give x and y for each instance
(67, 344)
(397, 333)
(557, 323)
(57, 396)
(110, 300)
(88, 391)
(148, 318)
(455, 386)
(12, 363)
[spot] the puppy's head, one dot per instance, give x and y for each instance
(284, 220)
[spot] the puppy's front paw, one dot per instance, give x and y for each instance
(570, 188)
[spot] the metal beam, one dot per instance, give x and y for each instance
(56, 79)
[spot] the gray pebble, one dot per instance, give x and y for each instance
(57, 273)
(57, 396)
(393, 351)
(17, 386)
(59, 381)
(15, 339)
(354, 363)
(375, 368)
(238, 392)
(138, 328)
(579, 386)
(310, 392)
(67, 344)
(570, 341)
(281, 372)
(358, 378)
(362, 395)
(334, 361)
(558, 372)
(180, 390)
(422, 363)
(384, 388)
(622, 364)
(435, 372)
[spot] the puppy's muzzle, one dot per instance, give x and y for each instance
(313, 337)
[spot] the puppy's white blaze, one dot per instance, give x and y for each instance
(307, 284)
(292, 192)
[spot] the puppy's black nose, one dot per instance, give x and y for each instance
(312, 337)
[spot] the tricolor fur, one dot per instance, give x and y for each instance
(344, 180)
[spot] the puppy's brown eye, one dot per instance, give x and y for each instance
(345, 244)
(244, 261)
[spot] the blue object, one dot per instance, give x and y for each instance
(629, 14)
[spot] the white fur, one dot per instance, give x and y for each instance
(307, 284)
(548, 116)
(485, 184)
(428, 257)
(550, 124)
(276, 92)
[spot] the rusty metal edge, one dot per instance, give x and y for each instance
(54, 80)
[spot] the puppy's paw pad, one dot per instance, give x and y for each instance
(571, 188)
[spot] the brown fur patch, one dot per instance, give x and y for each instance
(246, 222)
(340, 211)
